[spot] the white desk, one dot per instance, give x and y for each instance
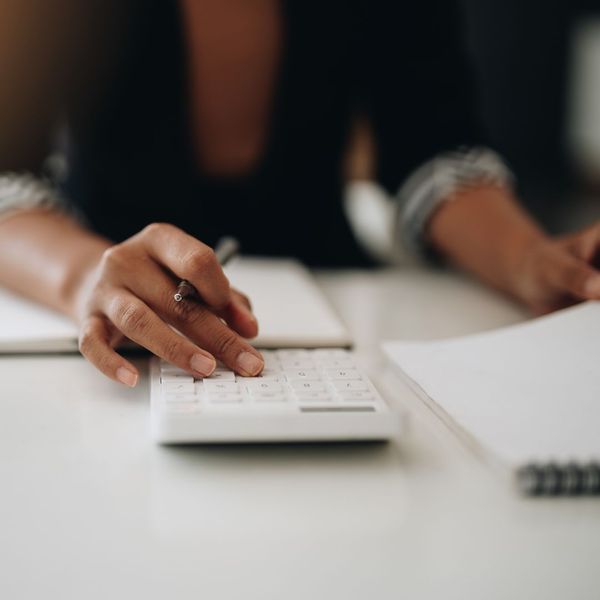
(90, 508)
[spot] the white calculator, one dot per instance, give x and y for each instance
(302, 395)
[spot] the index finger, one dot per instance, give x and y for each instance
(190, 259)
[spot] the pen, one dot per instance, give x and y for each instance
(225, 250)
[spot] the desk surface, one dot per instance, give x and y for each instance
(90, 508)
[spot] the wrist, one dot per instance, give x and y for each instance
(527, 277)
(80, 278)
(484, 230)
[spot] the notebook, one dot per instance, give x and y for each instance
(291, 310)
(526, 396)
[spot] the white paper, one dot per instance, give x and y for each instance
(28, 327)
(528, 392)
(290, 309)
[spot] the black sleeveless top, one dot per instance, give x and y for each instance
(402, 67)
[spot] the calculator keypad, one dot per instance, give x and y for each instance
(291, 380)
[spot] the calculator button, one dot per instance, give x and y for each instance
(224, 398)
(230, 387)
(343, 374)
(222, 375)
(356, 396)
(301, 374)
(270, 374)
(269, 397)
(297, 363)
(180, 398)
(272, 363)
(293, 353)
(308, 386)
(176, 377)
(347, 384)
(314, 397)
(322, 353)
(260, 385)
(336, 363)
(179, 387)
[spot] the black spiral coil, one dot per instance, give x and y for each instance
(555, 479)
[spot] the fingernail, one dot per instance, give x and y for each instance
(592, 287)
(203, 364)
(249, 363)
(248, 313)
(129, 378)
(252, 319)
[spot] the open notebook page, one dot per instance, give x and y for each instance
(528, 392)
(27, 327)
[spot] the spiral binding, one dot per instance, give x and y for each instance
(554, 479)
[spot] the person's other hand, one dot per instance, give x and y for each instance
(556, 273)
(129, 294)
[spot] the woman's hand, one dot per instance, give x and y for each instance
(484, 230)
(129, 294)
(559, 272)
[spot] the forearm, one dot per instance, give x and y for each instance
(45, 255)
(484, 230)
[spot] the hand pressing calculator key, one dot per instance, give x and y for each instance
(302, 395)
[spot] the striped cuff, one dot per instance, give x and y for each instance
(436, 182)
(25, 191)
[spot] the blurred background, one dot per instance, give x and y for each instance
(537, 66)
